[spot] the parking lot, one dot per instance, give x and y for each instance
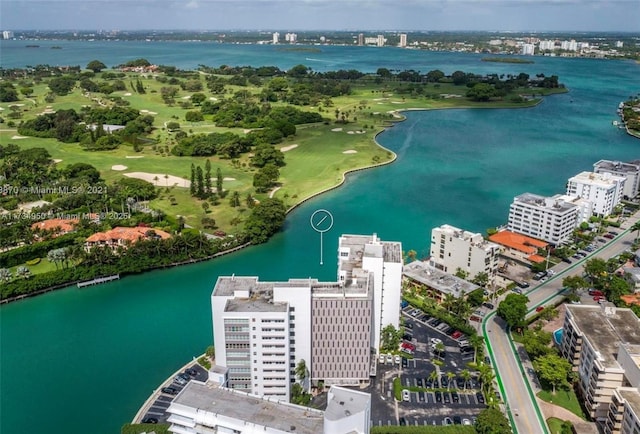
(439, 394)
(157, 412)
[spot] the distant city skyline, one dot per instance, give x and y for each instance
(301, 15)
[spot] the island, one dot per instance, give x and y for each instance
(212, 158)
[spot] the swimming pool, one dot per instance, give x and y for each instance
(557, 336)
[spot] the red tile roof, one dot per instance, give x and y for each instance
(631, 299)
(56, 225)
(123, 233)
(519, 242)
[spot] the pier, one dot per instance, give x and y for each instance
(98, 280)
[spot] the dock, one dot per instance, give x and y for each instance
(98, 280)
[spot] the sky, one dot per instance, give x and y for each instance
(292, 15)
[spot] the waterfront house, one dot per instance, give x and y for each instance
(123, 237)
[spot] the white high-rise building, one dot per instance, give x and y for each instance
(528, 49)
(291, 38)
(262, 330)
(551, 219)
(603, 190)
(276, 37)
(403, 40)
(380, 41)
(453, 248)
(384, 260)
(7, 34)
(547, 45)
(571, 45)
(630, 171)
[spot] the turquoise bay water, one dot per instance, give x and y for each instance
(75, 361)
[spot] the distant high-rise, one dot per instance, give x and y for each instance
(276, 37)
(381, 40)
(7, 34)
(403, 40)
(360, 39)
(528, 49)
(291, 38)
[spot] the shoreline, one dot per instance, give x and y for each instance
(398, 117)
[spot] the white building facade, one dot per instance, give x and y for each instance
(551, 219)
(384, 260)
(630, 171)
(206, 408)
(453, 248)
(604, 191)
(263, 330)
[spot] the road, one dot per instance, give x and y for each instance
(522, 409)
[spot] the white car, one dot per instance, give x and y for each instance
(436, 341)
(381, 358)
(466, 422)
(398, 360)
(406, 396)
(389, 358)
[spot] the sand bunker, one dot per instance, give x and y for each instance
(127, 94)
(118, 167)
(350, 132)
(161, 181)
(397, 102)
(288, 148)
(57, 160)
(335, 130)
(186, 97)
(18, 137)
(134, 156)
(213, 98)
(350, 151)
(148, 112)
(228, 179)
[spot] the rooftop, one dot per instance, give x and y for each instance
(555, 203)
(253, 409)
(370, 246)
(519, 242)
(474, 238)
(617, 166)
(632, 396)
(426, 274)
(621, 325)
(599, 179)
(344, 402)
(130, 234)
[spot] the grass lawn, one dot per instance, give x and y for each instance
(564, 398)
(324, 151)
(41, 267)
(555, 425)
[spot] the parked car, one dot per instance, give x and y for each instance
(480, 397)
(408, 325)
(149, 420)
(178, 379)
(403, 421)
(405, 363)
(475, 318)
(192, 372)
(457, 420)
(466, 421)
(397, 358)
(185, 376)
(539, 308)
(447, 421)
(438, 396)
(608, 236)
(446, 398)
(488, 305)
(593, 292)
(456, 334)
(568, 261)
(455, 397)
(169, 390)
(598, 298)
(406, 396)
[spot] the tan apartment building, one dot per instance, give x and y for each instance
(593, 340)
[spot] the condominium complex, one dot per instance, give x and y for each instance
(435, 283)
(528, 49)
(384, 260)
(630, 171)
(205, 408)
(453, 248)
(275, 38)
(263, 330)
(403, 40)
(551, 219)
(603, 190)
(602, 344)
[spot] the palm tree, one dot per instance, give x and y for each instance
(636, 227)
(433, 376)
(476, 342)
(450, 377)
(439, 349)
(448, 301)
(5, 275)
(466, 376)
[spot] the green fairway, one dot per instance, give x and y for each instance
(316, 157)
